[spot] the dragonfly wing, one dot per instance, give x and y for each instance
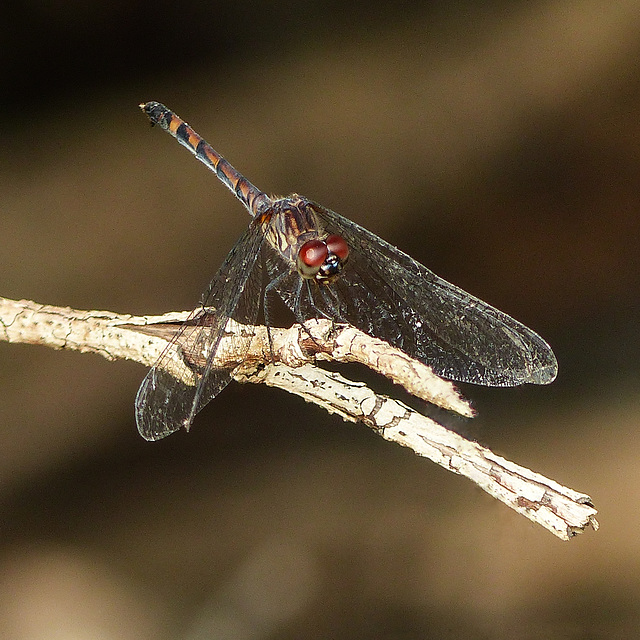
(165, 402)
(387, 294)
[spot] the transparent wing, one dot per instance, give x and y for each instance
(385, 293)
(171, 395)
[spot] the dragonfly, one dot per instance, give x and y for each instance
(323, 265)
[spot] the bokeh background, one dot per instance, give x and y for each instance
(496, 142)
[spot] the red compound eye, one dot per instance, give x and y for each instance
(313, 253)
(338, 246)
(310, 257)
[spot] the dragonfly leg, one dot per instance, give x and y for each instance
(271, 289)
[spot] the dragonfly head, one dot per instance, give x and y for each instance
(322, 260)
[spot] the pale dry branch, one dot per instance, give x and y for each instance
(289, 364)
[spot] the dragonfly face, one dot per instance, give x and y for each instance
(297, 233)
(323, 259)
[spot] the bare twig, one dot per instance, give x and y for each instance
(290, 365)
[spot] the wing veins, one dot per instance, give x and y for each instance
(164, 403)
(460, 326)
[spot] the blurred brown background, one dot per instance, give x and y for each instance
(496, 142)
